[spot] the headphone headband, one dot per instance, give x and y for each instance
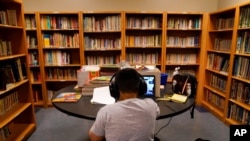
(114, 88)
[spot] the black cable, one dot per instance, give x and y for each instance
(165, 103)
(163, 126)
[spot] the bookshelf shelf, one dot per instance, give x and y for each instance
(13, 86)
(59, 46)
(183, 43)
(102, 37)
(218, 56)
(15, 92)
(226, 41)
(143, 43)
(213, 109)
(35, 57)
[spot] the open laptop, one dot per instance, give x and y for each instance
(150, 81)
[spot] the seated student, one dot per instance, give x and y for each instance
(131, 118)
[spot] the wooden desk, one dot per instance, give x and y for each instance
(85, 109)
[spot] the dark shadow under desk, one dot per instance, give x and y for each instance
(85, 109)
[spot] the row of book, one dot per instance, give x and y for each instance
(61, 73)
(244, 17)
(189, 41)
(218, 62)
(243, 43)
(56, 57)
(240, 91)
(4, 133)
(224, 23)
(239, 114)
(35, 76)
(144, 41)
(222, 44)
(50, 94)
(5, 48)
(242, 67)
(59, 22)
(215, 99)
(30, 22)
(184, 23)
(57, 40)
(101, 43)
(7, 102)
(108, 23)
(181, 58)
(218, 82)
(31, 41)
(147, 22)
(143, 58)
(8, 17)
(106, 59)
(36, 96)
(33, 58)
(11, 72)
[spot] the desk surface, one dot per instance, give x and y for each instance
(85, 109)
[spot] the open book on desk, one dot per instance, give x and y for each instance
(174, 97)
(179, 98)
(101, 95)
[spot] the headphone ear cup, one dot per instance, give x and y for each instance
(113, 88)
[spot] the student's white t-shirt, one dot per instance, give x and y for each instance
(128, 120)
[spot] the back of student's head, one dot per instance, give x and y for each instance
(128, 80)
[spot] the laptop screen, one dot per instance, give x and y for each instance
(150, 81)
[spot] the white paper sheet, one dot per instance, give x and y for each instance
(102, 95)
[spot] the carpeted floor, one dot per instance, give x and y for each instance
(53, 125)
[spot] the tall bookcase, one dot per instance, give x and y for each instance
(238, 105)
(35, 58)
(17, 117)
(143, 42)
(184, 43)
(226, 87)
(102, 38)
(59, 43)
(219, 61)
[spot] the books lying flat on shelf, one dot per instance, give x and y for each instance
(67, 97)
(178, 98)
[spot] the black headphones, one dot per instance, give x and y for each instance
(114, 88)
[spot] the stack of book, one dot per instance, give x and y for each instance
(96, 82)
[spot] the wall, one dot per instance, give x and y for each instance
(121, 5)
(229, 3)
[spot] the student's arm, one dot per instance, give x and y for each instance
(94, 137)
(96, 132)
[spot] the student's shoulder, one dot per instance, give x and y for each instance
(108, 107)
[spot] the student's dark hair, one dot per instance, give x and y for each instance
(128, 80)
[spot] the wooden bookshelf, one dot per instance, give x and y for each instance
(17, 117)
(219, 50)
(102, 37)
(184, 34)
(60, 49)
(238, 106)
(143, 34)
(223, 84)
(35, 58)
